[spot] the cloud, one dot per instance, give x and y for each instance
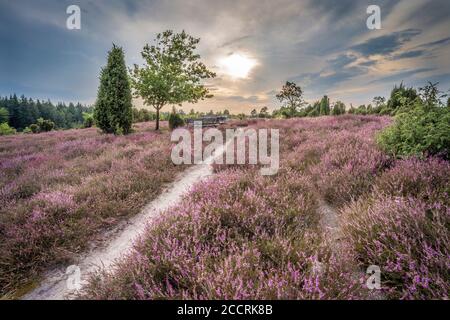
(409, 54)
(323, 44)
(386, 44)
(401, 76)
(438, 43)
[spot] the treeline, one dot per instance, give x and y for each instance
(23, 112)
(144, 115)
(401, 98)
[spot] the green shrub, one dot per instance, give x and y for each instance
(422, 131)
(175, 121)
(27, 130)
(45, 125)
(34, 128)
(88, 120)
(4, 115)
(5, 129)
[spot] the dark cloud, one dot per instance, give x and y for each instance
(234, 41)
(342, 61)
(387, 44)
(409, 54)
(434, 44)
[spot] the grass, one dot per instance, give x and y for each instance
(60, 190)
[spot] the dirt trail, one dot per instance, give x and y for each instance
(329, 221)
(54, 286)
(330, 224)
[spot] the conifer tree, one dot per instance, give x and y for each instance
(325, 106)
(113, 108)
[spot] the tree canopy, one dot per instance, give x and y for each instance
(291, 95)
(113, 108)
(172, 72)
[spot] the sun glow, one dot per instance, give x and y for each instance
(237, 66)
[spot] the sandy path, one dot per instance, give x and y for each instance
(54, 286)
(329, 221)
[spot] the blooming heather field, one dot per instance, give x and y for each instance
(244, 236)
(59, 189)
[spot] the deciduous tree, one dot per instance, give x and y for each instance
(172, 72)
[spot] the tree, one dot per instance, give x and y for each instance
(338, 108)
(264, 113)
(172, 73)
(175, 119)
(401, 98)
(4, 115)
(431, 95)
(254, 113)
(324, 106)
(379, 101)
(291, 96)
(113, 108)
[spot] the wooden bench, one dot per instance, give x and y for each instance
(210, 121)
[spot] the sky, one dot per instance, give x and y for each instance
(254, 46)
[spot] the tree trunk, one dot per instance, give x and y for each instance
(157, 119)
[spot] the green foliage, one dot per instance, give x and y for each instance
(22, 112)
(4, 115)
(175, 120)
(143, 115)
(324, 106)
(424, 130)
(314, 113)
(338, 109)
(291, 95)
(172, 73)
(264, 113)
(113, 108)
(27, 130)
(34, 128)
(5, 129)
(45, 125)
(401, 99)
(88, 120)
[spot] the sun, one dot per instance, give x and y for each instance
(237, 65)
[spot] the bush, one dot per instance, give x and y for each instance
(27, 130)
(34, 128)
(5, 129)
(45, 125)
(175, 121)
(420, 132)
(4, 115)
(88, 120)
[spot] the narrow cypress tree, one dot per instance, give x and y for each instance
(324, 106)
(113, 108)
